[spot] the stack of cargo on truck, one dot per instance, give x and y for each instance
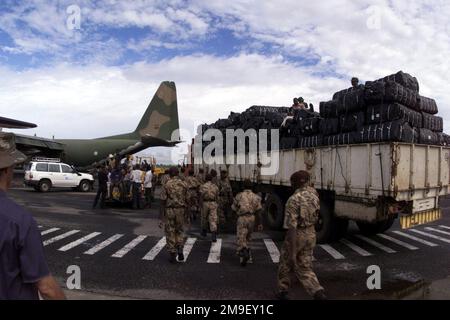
(375, 152)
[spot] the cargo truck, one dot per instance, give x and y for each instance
(372, 184)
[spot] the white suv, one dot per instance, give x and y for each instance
(43, 175)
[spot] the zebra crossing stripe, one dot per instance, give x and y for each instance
(188, 247)
(214, 253)
(79, 241)
(437, 230)
(128, 247)
(409, 236)
(43, 233)
(333, 252)
(60, 237)
(396, 241)
(355, 248)
(273, 250)
(445, 227)
(151, 255)
(375, 244)
(103, 244)
(430, 235)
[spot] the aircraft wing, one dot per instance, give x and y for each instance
(31, 145)
(15, 124)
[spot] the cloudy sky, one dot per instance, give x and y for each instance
(86, 69)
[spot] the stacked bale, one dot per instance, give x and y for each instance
(387, 109)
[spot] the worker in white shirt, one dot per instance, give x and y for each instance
(136, 178)
(148, 187)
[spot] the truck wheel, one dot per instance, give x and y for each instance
(377, 227)
(340, 228)
(85, 186)
(274, 208)
(45, 185)
(324, 225)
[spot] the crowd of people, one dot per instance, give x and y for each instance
(123, 181)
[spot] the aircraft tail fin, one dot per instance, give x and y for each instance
(160, 119)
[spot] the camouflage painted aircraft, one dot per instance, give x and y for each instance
(158, 123)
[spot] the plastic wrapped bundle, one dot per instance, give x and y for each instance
(329, 109)
(432, 123)
(309, 126)
(338, 139)
(394, 131)
(388, 92)
(351, 122)
(427, 105)
(428, 137)
(310, 142)
(404, 79)
(393, 111)
(329, 126)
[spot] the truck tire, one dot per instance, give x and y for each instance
(45, 185)
(84, 186)
(329, 228)
(324, 225)
(274, 208)
(374, 228)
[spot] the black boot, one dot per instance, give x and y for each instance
(244, 256)
(180, 254)
(173, 257)
(282, 295)
(214, 237)
(203, 234)
(320, 295)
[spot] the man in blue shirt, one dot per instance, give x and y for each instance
(24, 273)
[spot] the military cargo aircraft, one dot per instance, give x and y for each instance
(158, 123)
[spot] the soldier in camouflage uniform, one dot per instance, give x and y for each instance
(246, 205)
(165, 177)
(209, 195)
(201, 176)
(301, 214)
(213, 174)
(173, 204)
(192, 196)
(225, 197)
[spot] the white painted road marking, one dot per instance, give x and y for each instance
(406, 235)
(188, 248)
(128, 247)
(103, 244)
(375, 244)
(445, 227)
(355, 248)
(396, 241)
(60, 237)
(214, 253)
(437, 230)
(151, 255)
(43, 233)
(79, 241)
(431, 235)
(333, 252)
(273, 250)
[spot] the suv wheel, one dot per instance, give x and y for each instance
(44, 186)
(85, 186)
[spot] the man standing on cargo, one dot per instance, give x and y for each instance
(24, 272)
(209, 196)
(301, 214)
(355, 82)
(173, 204)
(247, 205)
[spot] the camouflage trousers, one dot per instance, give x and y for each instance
(209, 216)
(174, 228)
(245, 226)
(306, 241)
